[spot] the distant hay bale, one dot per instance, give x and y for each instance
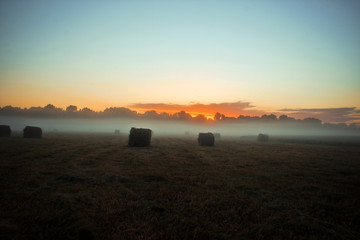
(139, 137)
(5, 131)
(262, 137)
(117, 131)
(217, 136)
(32, 132)
(206, 139)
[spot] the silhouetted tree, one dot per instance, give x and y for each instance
(217, 116)
(120, 111)
(86, 110)
(200, 118)
(35, 109)
(313, 121)
(151, 115)
(71, 108)
(182, 116)
(49, 107)
(248, 118)
(286, 118)
(225, 118)
(270, 117)
(165, 115)
(11, 109)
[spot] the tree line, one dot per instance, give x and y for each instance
(72, 111)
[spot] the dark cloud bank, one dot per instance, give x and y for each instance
(337, 115)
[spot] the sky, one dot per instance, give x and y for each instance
(296, 57)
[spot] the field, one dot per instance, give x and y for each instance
(78, 186)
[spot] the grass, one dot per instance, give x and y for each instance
(68, 186)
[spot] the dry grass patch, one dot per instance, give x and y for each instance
(68, 186)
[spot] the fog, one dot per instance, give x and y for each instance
(163, 127)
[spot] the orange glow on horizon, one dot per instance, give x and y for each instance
(207, 114)
(101, 107)
(229, 109)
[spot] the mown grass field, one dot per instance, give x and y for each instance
(95, 187)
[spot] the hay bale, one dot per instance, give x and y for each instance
(5, 131)
(32, 132)
(262, 137)
(117, 131)
(206, 139)
(217, 136)
(139, 137)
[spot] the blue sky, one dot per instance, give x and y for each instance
(274, 54)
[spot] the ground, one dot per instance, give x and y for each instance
(93, 186)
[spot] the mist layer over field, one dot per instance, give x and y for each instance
(163, 127)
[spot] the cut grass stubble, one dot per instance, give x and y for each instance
(60, 187)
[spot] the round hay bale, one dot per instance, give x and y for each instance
(5, 131)
(206, 139)
(32, 132)
(262, 137)
(140, 137)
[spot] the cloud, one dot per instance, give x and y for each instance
(332, 115)
(336, 115)
(227, 108)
